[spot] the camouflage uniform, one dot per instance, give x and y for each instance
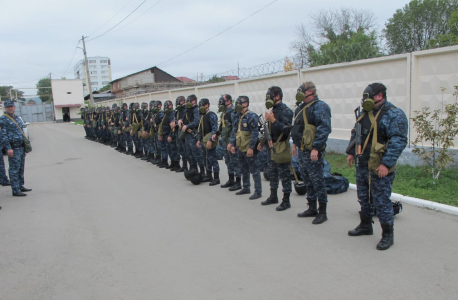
(12, 138)
(231, 160)
(194, 154)
(318, 114)
(181, 143)
(283, 119)
(161, 148)
(3, 177)
(172, 147)
(249, 165)
(209, 122)
(392, 126)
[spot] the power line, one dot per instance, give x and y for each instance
(111, 18)
(73, 56)
(23, 81)
(118, 22)
(218, 33)
(139, 16)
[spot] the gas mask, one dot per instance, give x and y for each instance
(368, 99)
(189, 105)
(239, 105)
(221, 104)
(270, 102)
(202, 110)
(300, 95)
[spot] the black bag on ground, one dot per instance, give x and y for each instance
(336, 184)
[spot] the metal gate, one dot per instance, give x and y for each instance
(35, 113)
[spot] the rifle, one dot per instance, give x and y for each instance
(358, 138)
(266, 132)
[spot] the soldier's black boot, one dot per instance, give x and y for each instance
(364, 228)
(130, 151)
(182, 168)
(322, 217)
(122, 149)
(172, 164)
(208, 177)
(176, 166)
(215, 180)
(145, 156)
(244, 191)
(164, 164)
(273, 198)
(230, 182)
(113, 144)
(237, 185)
(311, 211)
(158, 160)
(138, 153)
(387, 237)
(285, 204)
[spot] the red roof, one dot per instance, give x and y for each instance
(184, 79)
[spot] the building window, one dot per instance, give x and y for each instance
(105, 83)
(103, 61)
(94, 83)
(93, 72)
(92, 61)
(105, 78)
(93, 77)
(104, 72)
(93, 67)
(104, 67)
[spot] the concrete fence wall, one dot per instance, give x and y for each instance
(414, 80)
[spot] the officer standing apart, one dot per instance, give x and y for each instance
(246, 137)
(311, 128)
(384, 136)
(12, 140)
(279, 126)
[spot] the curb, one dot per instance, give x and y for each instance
(76, 124)
(448, 209)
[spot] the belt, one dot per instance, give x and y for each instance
(17, 144)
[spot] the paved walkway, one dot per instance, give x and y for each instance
(102, 225)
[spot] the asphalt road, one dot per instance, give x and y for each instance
(102, 225)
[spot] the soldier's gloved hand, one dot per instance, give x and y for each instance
(10, 153)
(249, 153)
(382, 171)
(350, 160)
(294, 150)
(198, 144)
(169, 139)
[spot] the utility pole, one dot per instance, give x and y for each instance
(91, 98)
(52, 101)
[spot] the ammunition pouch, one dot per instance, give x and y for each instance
(181, 135)
(226, 132)
(135, 128)
(308, 136)
(243, 140)
(281, 152)
(207, 138)
(376, 156)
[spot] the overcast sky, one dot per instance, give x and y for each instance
(39, 37)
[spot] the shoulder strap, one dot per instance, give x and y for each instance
(303, 112)
(16, 124)
(241, 117)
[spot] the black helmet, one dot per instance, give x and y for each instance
(242, 99)
(114, 105)
(151, 104)
(300, 187)
(131, 105)
(179, 99)
(158, 102)
(144, 105)
(204, 101)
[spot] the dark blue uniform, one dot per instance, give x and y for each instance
(231, 160)
(280, 171)
(209, 124)
(12, 138)
(249, 123)
(181, 143)
(194, 154)
(392, 126)
(319, 115)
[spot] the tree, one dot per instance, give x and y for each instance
(46, 92)
(5, 93)
(413, 27)
(288, 65)
(336, 36)
(450, 38)
(216, 79)
(105, 88)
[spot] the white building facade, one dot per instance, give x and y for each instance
(68, 98)
(99, 70)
